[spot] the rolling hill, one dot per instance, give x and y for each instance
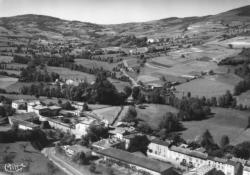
(51, 28)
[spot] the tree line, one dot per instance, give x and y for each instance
(102, 91)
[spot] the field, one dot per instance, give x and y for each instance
(108, 113)
(153, 112)
(6, 81)
(6, 59)
(237, 42)
(15, 87)
(177, 65)
(208, 86)
(23, 152)
(224, 122)
(16, 66)
(71, 74)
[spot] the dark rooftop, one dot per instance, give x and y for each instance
(160, 142)
(130, 158)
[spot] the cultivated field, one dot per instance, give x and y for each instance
(224, 122)
(208, 86)
(153, 112)
(6, 59)
(23, 152)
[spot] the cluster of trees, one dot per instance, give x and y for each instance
(131, 115)
(139, 143)
(5, 109)
(128, 40)
(37, 73)
(94, 134)
(96, 70)
(102, 91)
(4, 73)
(244, 85)
(109, 59)
(241, 58)
(21, 59)
(37, 137)
(57, 62)
(224, 148)
(243, 71)
(241, 87)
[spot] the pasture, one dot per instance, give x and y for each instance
(5, 81)
(23, 152)
(15, 87)
(108, 113)
(153, 112)
(228, 122)
(208, 86)
(66, 73)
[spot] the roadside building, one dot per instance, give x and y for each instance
(120, 132)
(246, 169)
(136, 163)
(24, 121)
(19, 104)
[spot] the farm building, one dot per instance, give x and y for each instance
(136, 163)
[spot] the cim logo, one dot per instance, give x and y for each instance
(13, 167)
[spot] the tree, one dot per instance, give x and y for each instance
(144, 128)
(248, 122)
(207, 140)
(80, 158)
(139, 143)
(85, 107)
(242, 150)
(45, 125)
(127, 90)
(224, 141)
(135, 92)
(92, 168)
(170, 123)
(131, 114)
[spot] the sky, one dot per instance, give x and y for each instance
(117, 11)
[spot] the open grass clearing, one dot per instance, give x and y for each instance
(66, 73)
(153, 112)
(7, 81)
(108, 113)
(225, 121)
(208, 86)
(15, 87)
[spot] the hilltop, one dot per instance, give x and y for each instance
(51, 28)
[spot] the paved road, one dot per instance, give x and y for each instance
(65, 166)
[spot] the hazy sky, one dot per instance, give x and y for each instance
(117, 11)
